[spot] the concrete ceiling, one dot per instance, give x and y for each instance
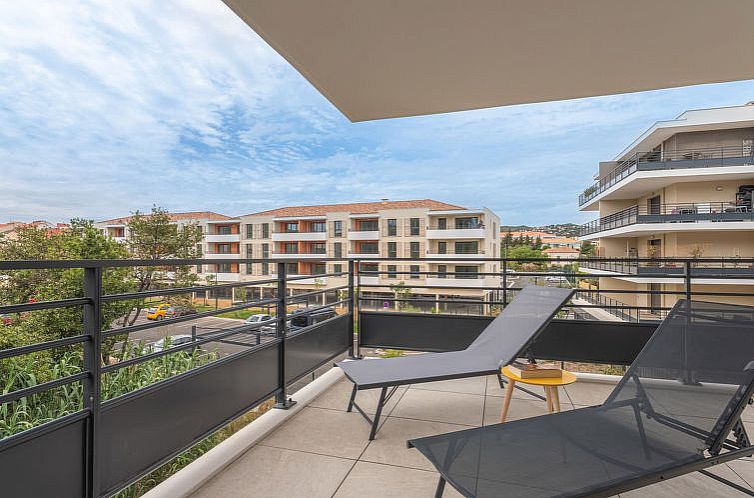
(388, 58)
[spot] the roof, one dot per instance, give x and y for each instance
(560, 250)
(562, 240)
(357, 208)
(189, 215)
(375, 60)
(15, 225)
(541, 235)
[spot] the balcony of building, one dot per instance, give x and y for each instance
(648, 171)
(671, 217)
(316, 440)
(726, 271)
(367, 229)
(300, 250)
(470, 225)
(300, 230)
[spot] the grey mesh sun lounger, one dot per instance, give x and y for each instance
(500, 342)
(677, 410)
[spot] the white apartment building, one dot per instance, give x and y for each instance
(682, 189)
(443, 233)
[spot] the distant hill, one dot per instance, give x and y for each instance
(562, 229)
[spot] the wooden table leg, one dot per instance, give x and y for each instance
(507, 399)
(548, 398)
(555, 399)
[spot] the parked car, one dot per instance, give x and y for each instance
(305, 317)
(158, 312)
(180, 311)
(552, 279)
(256, 322)
(172, 341)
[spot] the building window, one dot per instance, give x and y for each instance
(224, 230)
(265, 252)
(223, 268)
(249, 231)
(291, 228)
(414, 250)
(249, 251)
(442, 271)
(319, 226)
(392, 227)
(392, 271)
(442, 248)
(319, 248)
(392, 250)
(337, 268)
(249, 268)
(467, 247)
(319, 268)
(415, 272)
(466, 272)
(368, 226)
(369, 269)
(265, 230)
(337, 228)
(290, 248)
(414, 226)
(442, 223)
(265, 268)
(199, 268)
(223, 248)
(468, 222)
(291, 268)
(337, 250)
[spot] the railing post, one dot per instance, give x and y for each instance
(354, 352)
(505, 282)
(92, 364)
(282, 401)
(687, 279)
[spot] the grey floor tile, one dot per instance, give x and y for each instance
(336, 398)
(265, 471)
(390, 445)
(319, 430)
(494, 389)
(373, 480)
(519, 408)
(436, 406)
(470, 385)
(691, 485)
(744, 468)
(587, 393)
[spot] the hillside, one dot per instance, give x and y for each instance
(562, 229)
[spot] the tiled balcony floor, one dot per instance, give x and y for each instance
(323, 451)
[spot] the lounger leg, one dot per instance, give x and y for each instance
(507, 399)
(376, 420)
(353, 398)
(440, 487)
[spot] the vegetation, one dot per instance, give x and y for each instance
(587, 248)
(559, 229)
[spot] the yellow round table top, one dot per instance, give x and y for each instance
(565, 379)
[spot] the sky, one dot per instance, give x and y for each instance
(111, 107)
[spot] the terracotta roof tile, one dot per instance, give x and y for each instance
(553, 250)
(189, 215)
(356, 208)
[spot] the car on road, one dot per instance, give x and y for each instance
(158, 312)
(168, 311)
(300, 318)
(181, 311)
(552, 279)
(256, 322)
(170, 341)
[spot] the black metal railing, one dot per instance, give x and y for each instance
(709, 157)
(465, 226)
(679, 212)
(710, 268)
(108, 442)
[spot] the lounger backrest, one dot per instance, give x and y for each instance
(697, 369)
(520, 322)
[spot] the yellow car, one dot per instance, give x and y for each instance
(158, 313)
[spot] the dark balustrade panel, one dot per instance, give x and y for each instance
(307, 350)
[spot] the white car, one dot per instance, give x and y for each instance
(175, 340)
(259, 321)
(556, 279)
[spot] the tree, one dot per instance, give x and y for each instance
(155, 236)
(401, 291)
(587, 248)
(507, 243)
(81, 241)
(526, 252)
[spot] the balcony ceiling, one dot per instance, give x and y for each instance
(384, 59)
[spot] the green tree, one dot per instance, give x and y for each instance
(587, 248)
(154, 236)
(401, 291)
(526, 252)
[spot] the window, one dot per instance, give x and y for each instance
(392, 271)
(442, 223)
(319, 226)
(265, 230)
(466, 272)
(319, 268)
(467, 247)
(224, 230)
(368, 226)
(337, 268)
(653, 205)
(414, 226)
(337, 228)
(368, 248)
(249, 251)
(265, 268)
(265, 251)
(291, 268)
(442, 248)
(392, 227)
(249, 231)
(392, 250)
(290, 248)
(223, 248)
(291, 228)
(223, 268)
(415, 272)
(337, 249)
(414, 250)
(442, 271)
(199, 268)
(369, 269)
(249, 268)
(469, 222)
(319, 248)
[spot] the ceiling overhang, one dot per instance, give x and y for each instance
(391, 58)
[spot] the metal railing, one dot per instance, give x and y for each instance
(681, 212)
(709, 157)
(465, 226)
(106, 444)
(670, 267)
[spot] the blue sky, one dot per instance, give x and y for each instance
(109, 107)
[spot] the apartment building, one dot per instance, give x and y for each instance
(444, 233)
(547, 238)
(682, 189)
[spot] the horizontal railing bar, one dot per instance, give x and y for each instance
(182, 290)
(290, 299)
(44, 305)
(45, 386)
(42, 346)
(459, 287)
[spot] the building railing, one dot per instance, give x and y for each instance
(107, 441)
(464, 226)
(710, 268)
(683, 212)
(709, 157)
(452, 251)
